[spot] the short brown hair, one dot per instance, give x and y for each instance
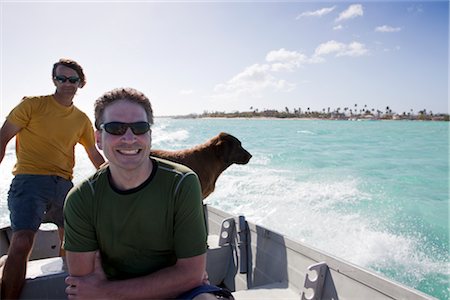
(128, 94)
(73, 65)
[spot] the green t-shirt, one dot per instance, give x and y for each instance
(137, 231)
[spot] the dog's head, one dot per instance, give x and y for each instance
(230, 150)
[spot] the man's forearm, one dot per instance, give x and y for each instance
(80, 263)
(169, 282)
(97, 160)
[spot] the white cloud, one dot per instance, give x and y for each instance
(381, 47)
(353, 11)
(186, 92)
(284, 60)
(316, 13)
(396, 48)
(338, 27)
(415, 9)
(341, 49)
(255, 74)
(252, 81)
(354, 49)
(258, 79)
(386, 28)
(329, 47)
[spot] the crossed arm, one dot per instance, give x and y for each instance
(88, 281)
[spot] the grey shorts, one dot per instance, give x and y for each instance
(36, 199)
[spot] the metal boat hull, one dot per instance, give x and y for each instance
(252, 261)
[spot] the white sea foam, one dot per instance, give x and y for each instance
(5, 180)
(307, 212)
(172, 138)
(261, 160)
(306, 132)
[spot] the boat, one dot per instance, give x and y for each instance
(250, 260)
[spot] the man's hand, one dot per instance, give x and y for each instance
(89, 286)
(205, 278)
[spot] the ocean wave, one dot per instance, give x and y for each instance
(309, 212)
(163, 139)
(306, 132)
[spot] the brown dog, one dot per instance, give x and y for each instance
(210, 159)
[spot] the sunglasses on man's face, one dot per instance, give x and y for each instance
(62, 78)
(119, 128)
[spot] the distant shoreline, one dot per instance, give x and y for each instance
(435, 119)
(337, 114)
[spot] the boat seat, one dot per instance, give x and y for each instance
(276, 290)
(217, 260)
(45, 279)
(46, 243)
(220, 261)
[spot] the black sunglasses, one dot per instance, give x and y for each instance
(62, 78)
(119, 128)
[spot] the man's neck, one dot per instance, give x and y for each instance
(63, 99)
(130, 179)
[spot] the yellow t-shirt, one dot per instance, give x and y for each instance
(46, 143)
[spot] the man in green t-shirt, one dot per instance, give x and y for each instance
(135, 229)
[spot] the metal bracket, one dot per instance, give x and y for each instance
(243, 246)
(227, 232)
(322, 286)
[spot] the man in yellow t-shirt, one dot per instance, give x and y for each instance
(46, 128)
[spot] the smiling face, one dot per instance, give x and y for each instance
(127, 152)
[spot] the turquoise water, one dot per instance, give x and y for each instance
(375, 193)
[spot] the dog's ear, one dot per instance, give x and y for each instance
(224, 149)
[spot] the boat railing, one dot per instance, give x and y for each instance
(274, 266)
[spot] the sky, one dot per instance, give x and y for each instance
(204, 56)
